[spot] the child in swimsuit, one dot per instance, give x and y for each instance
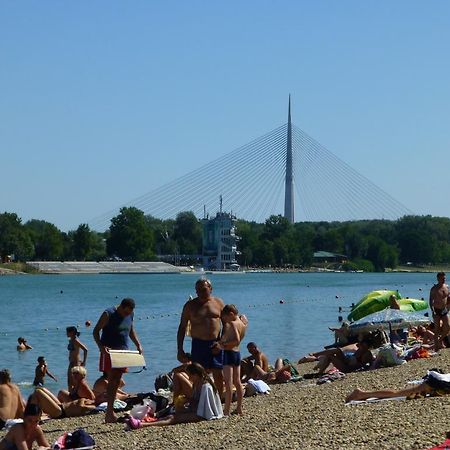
(40, 372)
(23, 435)
(233, 333)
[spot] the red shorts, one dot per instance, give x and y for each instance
(105, 364)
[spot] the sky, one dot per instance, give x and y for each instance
(104, 101)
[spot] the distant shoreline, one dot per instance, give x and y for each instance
(158, 268)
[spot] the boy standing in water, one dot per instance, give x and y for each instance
(40, 372)
(233, 333)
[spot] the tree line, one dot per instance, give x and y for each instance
(370, 245)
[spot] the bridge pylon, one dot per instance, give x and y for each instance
(289, 178)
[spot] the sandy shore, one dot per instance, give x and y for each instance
(299, 415)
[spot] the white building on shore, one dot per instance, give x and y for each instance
(220, 242)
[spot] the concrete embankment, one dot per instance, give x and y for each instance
(112, 267)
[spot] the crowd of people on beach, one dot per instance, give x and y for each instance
(210, 377)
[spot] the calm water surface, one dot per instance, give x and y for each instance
(40, 307)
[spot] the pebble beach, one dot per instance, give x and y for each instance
(301, 415)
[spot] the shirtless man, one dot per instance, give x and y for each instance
(439, 301)
(203, 313)
(256, 358)
(12, 405)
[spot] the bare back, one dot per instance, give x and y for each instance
(11, 403)
(235, 332)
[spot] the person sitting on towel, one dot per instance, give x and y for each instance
(203, 404)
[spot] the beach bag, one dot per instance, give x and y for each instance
(160, 401)
(389, 356)
(79, 439)
(139, 411)
(163, 381)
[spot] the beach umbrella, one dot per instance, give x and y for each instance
(388, 319)
(379, 300)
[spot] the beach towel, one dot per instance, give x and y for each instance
(10, 422)
(119, 405)
(330, 376)
(256, 387)
(293, 370)
(209, 405)
(374, 400)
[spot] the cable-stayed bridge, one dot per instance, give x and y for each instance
(281, 172)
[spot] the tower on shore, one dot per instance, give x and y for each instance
(289, 179)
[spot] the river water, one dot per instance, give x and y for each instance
(39, 307)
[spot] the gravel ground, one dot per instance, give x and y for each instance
(298, 415)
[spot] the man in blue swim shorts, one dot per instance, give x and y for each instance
(203, 313)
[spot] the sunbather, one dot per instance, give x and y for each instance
(433, 384)
(80, 388)
(50, 404)
(280, 374)
(344, 361)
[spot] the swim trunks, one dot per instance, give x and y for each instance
(2, 424)
(441, 312)
(231, 358)
(201, 353)
(8, 445)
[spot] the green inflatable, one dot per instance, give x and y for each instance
(378, 300)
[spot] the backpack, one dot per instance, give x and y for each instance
(163, 381)
(79, 439)
(161, 401)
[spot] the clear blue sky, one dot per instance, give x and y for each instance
(102, 101)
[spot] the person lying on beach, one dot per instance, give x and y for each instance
(233, 333)
(434, 384)
(51, 406)
(344, 361)
(314, 356)
(21, 436)
(80, 387)
(74, 346)
(256, 358)
(425, 335)
(280, 374)
(101, 386)
(23, 345)
(40, 372)
(11, 402)
(204, 402)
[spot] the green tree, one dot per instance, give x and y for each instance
(130, 237)
(47, 238)
(188, 233)
(88, 244)
(14, 240)
(275, 227)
